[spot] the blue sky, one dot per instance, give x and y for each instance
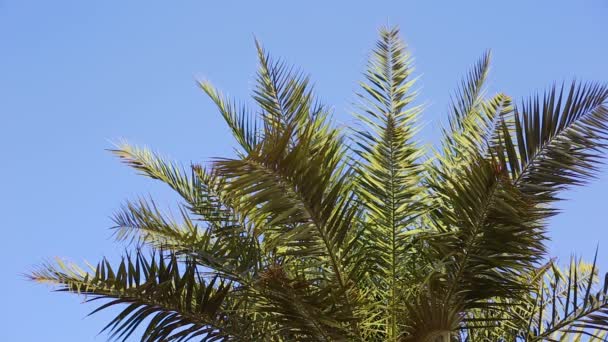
(76, 75)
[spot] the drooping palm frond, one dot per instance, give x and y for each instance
(176, 302)
(143, 220)
(224, 249)
(199, 189)
(223, 236)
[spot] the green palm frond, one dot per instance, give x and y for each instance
(557, 140)
(224, 249)
(488, 234)
(568, 304)
(298, 306)
(506, 320)
(177, 303)
(563, 305)
(429, 319)
(389, 172)
(152, 165)
(470, 119)
(283, 94)
(469, 97)
(201, 191)
(295, 185)
(306, 235)
(143, 220)
(296, 199)
(242, 123)
(215, 234)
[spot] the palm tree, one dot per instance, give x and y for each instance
(314, 233)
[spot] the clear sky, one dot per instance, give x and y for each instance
(76, 75)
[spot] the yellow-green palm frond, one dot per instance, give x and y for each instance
(388, 170)
(469, 119)
(284, 95)
(152, 165)
(567, 304)
(242, 123)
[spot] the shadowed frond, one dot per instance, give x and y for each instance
(299, 199)
(488, 234)
(176, 303)
(557, 140)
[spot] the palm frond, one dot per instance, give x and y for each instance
(176, 303)
(389, 173)
(224, 249)
(300, 307)
(284, 95)
(568, 304)
(557, 140)
(471, 116)
(242, 123)
(143, 220)
(300, 197)
(201, 191)
(488, 233)
(469, 97)
(151, 164)
(305, 236)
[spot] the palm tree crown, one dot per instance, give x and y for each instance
(314, 233)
